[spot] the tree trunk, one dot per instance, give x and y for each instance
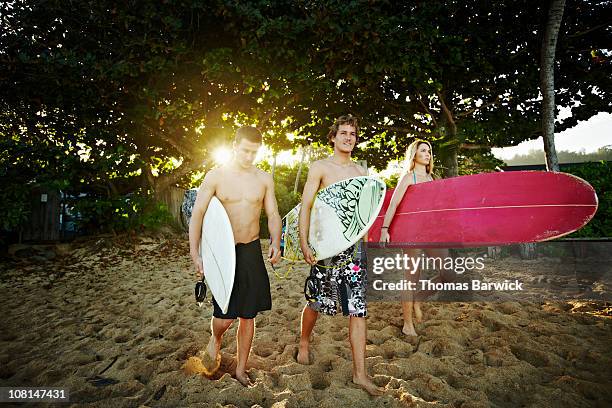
(149, 178)
(450, 162)
(161, 183)
(273, 165)
(448, 153)
(447, 128)
(299, 172)
(547, 82)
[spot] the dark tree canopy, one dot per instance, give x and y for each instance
(131, 97)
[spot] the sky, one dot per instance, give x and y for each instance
(589, 135)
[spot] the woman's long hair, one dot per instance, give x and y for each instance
(411, 152)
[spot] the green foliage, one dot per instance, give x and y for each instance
(118, 214)
(537, 157)
(15, 209)
(552, 250)
(392, 180)
(286, 198)
(97, 214)
(598, 175)
(107, 98)
(474, 162)
(284, 179)
(155, 216)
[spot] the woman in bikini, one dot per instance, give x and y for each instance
(418, 169)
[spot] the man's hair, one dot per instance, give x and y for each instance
(249, 133)
(343, 120)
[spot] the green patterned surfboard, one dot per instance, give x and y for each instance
(341, 215)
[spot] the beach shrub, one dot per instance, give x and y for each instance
(599, 175)
(15, 209)
(155, 216)
(284, 184)
(286, 200)
(117, 214)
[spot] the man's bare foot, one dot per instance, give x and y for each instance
(244, 379)
(367, 384)
(303, 356)
(211, 358)
(408, 330)
(418, 313)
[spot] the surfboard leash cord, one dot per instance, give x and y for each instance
(292, 263)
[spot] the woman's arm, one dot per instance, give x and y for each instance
(396, 198)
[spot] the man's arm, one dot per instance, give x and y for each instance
(274, 220)
(315, 175)
(364, 172)
(205, 194)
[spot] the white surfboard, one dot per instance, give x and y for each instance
(218, 253)
(341, 215)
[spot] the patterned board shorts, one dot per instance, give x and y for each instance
(341, 279)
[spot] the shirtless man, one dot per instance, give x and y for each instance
(330, 275)
(243, 190)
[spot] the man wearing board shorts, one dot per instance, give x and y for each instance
(243, 190)
(338, 282)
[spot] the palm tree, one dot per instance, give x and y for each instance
(547, 81)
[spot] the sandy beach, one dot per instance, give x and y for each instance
(114, 321)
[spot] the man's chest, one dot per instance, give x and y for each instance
(334, 175)
(244, 188)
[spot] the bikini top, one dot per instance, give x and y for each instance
(414, 177)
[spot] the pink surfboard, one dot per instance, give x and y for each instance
(489, 209)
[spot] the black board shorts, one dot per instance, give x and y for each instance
(251, 290)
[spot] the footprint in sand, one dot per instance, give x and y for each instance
(319, 381)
